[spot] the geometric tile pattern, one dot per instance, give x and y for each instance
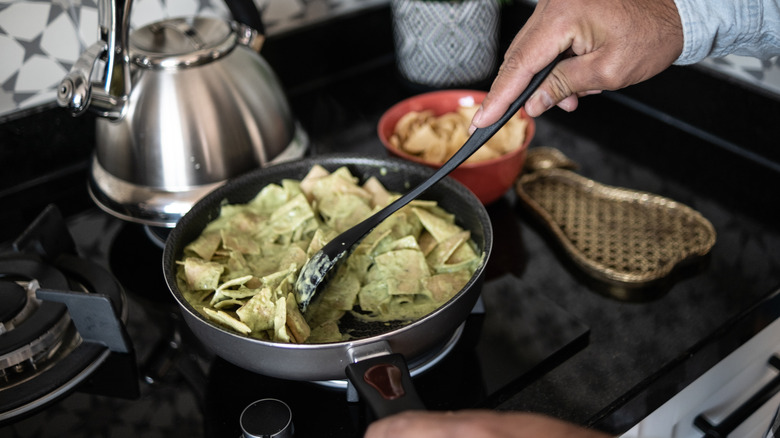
(763, 73)
(41, 39)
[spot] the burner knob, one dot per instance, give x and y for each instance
(267, 418)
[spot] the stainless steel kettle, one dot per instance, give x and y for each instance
(185, 104)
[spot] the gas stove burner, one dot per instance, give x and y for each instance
(35, 335)
(45, 349)
(42, 354)
(417, 366)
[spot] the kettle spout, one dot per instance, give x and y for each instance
(107, 97)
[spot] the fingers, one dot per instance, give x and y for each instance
(563, 88)
(569, 103)
(573, 77)
(511, 81)
(470, 424)
(555, 90)
(411, 424)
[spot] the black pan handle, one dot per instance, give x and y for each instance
(725, 427)
(385, 384)
(246, 12)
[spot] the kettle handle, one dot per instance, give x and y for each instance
(247, 13)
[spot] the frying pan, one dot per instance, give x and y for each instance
(381, 351)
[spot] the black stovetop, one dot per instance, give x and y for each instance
(549, 340)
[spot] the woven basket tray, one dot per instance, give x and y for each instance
(616, 235)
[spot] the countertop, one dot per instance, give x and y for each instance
(638, 353)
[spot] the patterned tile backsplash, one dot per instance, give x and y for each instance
(41, 39)
(764, 74)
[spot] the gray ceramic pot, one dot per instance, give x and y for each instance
(445, 43)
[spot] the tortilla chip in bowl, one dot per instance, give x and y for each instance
(430, 127)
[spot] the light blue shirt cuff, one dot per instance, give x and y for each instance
(716, 28)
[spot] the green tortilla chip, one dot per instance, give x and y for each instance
(258, 312)
(201, 274)
(439, 228)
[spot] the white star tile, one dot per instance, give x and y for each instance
(180, 8)
(772, 79)
(46, 96)
(88, 25)
(37, 73)
(317, 9)
(746, 62)
(67, 4)
(216, 9)
(60, 39)
(215, 12)
(281, 10)
(24, 21)
(13, 55)
(7, 103)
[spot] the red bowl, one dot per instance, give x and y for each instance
(489, 179)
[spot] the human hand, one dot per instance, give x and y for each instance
(610, 44)
(475, 423)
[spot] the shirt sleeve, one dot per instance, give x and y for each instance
(716, 28)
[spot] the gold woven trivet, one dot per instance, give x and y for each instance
(617, 235)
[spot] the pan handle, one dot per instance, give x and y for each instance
(385, 384)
